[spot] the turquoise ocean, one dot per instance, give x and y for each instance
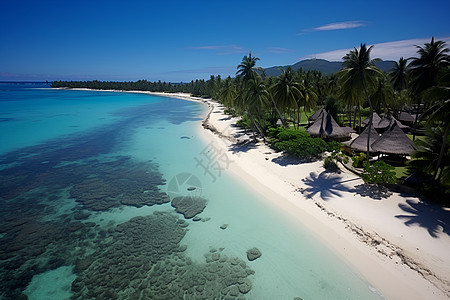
(107, 195)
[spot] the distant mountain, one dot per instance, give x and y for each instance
(324, 66)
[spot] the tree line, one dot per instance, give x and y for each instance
(419, 84)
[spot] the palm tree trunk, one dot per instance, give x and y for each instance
(370, 118)
(441, 153)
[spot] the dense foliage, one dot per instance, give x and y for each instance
(378, 173)
(298, 143)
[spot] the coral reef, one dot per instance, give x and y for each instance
(253, 254)
(189, 206)
(143, 258)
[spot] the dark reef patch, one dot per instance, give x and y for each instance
(189, 206)
(143, 258)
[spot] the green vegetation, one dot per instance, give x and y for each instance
(357, 161)
(378, 173)
(298, 143)
(359, 88)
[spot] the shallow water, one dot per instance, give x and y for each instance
(84, 183)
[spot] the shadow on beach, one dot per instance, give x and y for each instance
(327, 185)
(286, 160)
(426, 215)
(243, 146)
(376, 192)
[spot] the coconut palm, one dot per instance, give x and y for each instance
(360, 74)
(426, 68)
(383, 94)
(439, 114)
(398, 74)
(247, 69)
(310, 97)
(287, 90)
(258, 99)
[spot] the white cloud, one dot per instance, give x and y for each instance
(278, 50)
(222, 49)
(386, 51)
(340, 25)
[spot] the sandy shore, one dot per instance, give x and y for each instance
(399, 244)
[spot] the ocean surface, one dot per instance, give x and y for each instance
(107, 195)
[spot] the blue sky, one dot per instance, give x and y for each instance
(184, 40)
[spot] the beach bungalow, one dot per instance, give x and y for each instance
(375, 120)
(406, 118)
(316, 115)
(394, 141)
(359, 144)
(326, 127)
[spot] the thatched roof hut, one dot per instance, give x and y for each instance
(326, 127)
(394, 141)
(360, 143)
(405, 117)
(387, 121)
(349, 130)
(316, 115)
(375, 120)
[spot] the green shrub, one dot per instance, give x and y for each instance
(244, 122)
(298, 143)
(378, 173)
(334, 146)
(330, 165)
(359, 160)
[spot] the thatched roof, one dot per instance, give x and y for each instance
(387, 121)
(316, 114)
(394, 141)
(406, 117)
(348, 129)
(325, 126)
(375, 120)
(360, 143)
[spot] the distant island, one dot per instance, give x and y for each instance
(324, 66)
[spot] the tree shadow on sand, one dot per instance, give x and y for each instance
(427, 215)
(243, 146)
(373, 191)
(326, 184)
(286, 160)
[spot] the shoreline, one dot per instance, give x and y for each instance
(388, 255)
(400, 261)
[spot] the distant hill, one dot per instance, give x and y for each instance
(324, 66)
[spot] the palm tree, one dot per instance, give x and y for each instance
(360, 73)
(287, 90)
(440, 114)
(258, 98)
(247, 69)
(398, 75)
(383, 93)
(310, 97)
(433, 155)
(425, 69)
(227, 92)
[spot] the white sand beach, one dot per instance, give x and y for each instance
(394, 241)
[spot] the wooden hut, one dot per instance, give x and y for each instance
(316, 115)
(359, 144)
(375, 120)
(326, 127)
(394, 141)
